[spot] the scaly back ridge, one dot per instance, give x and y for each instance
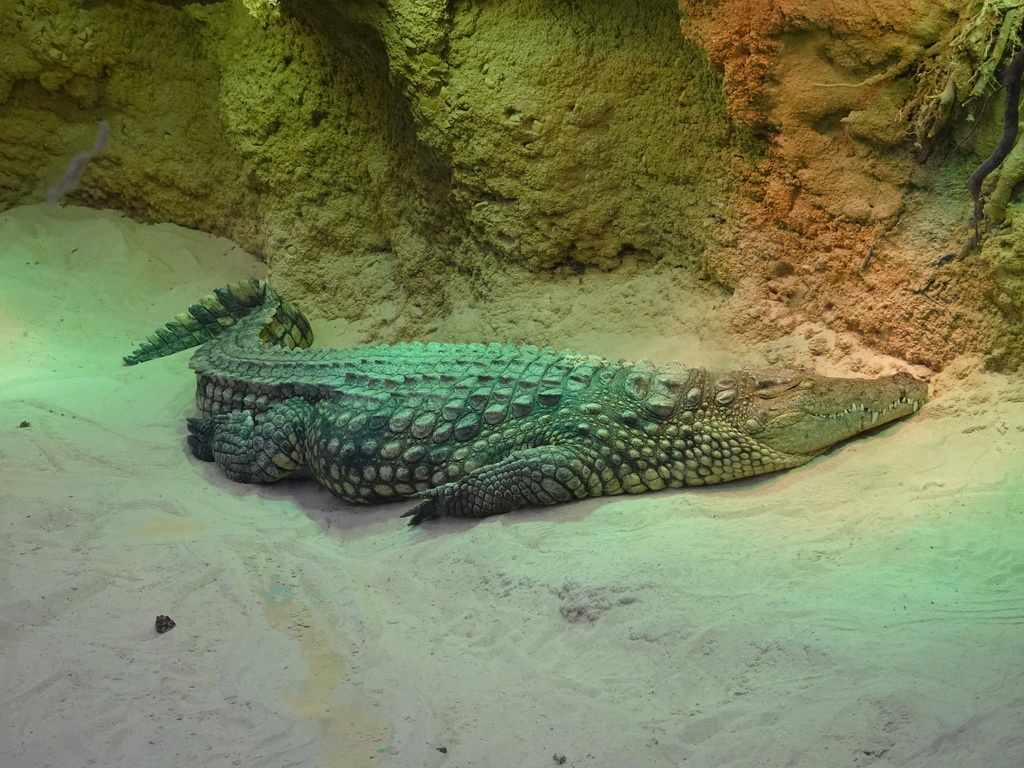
(212, 314)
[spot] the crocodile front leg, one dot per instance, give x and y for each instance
(550, 474)
(263, 449)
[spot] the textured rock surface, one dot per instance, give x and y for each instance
(400, 162)
(852, 220)
(365, 150)
(143, 68)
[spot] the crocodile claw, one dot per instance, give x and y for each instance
(425, 510)
(200, 438)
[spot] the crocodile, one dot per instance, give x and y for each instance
(474, 430)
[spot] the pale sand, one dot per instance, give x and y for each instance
(866, 609)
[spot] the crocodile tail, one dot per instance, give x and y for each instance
(219, 311)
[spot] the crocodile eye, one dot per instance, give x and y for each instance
(769, 388)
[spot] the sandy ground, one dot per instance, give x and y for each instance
(866, 609)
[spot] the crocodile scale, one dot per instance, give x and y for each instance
(468, 429)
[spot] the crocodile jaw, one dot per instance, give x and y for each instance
(804, 414)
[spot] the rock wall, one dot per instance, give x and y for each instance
(380, 153)
(143, 69)
(858, 218)
(398, 160)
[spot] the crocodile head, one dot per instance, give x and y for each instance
(731, 424)
(802, 414)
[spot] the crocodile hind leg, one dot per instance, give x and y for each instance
(260, 449)
(550, 474)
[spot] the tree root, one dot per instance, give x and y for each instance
(1012, 82)
(958, 73)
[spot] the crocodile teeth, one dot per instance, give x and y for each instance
(860, 408)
